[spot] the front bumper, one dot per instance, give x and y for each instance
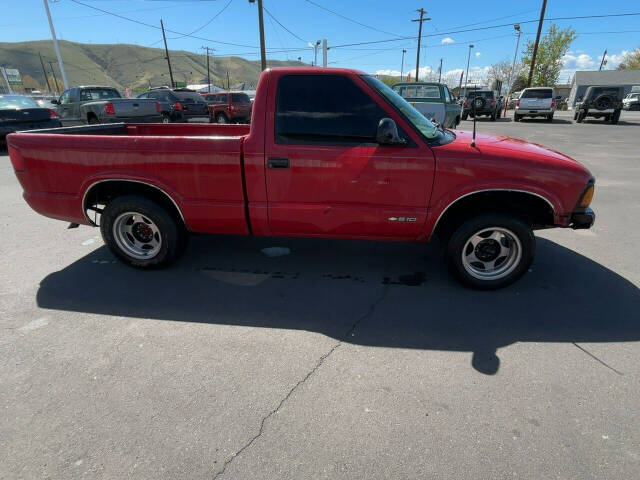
(582, 219)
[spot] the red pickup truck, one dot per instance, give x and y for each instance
(329, 153)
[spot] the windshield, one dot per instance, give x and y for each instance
(417, 91)
(537, 93)
(17, 102)
(418, 120)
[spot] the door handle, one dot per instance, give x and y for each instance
(281, 163)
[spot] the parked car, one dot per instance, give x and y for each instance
(18, 112)
(96, 104)
(433, 100)
(602, 101)
(44, 100)
(631, 101)
(179, 104)
(481, 103)
(229, 107)
(513, 98)
(535, 102)
(330, 153)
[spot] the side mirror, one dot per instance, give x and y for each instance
(387, 133)
(55, 102)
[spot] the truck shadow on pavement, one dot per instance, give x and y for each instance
(394, 295)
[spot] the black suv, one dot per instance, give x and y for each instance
(600, 101)
(481, 102)
(179, 104)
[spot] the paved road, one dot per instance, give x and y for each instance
(340, 360)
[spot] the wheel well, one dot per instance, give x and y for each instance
(91, 115)
(101, 193)
(533, 210)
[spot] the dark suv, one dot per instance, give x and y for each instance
(481, 102)
(179, 104)
(229, 107)
(600, 101)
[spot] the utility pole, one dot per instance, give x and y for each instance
(208, 70)
(45, 73)
(460, 86)
(468, 60)
(603, 62)
(535, 46)
(324, 52)
(402, 64)
(228, 82)
(422, 11)
(56, 47)
(315, 53)
(55, 80)
(440, 71)
(513, 66)
(166, 51)
(263, 55)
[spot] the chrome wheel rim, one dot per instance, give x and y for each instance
(222, 119)
(491, 253)
(137, 235)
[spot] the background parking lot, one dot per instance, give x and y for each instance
(337, 359)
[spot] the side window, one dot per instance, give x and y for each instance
(324, 109)
(153, 95)
(447, 95)
(144, 95)
(222, 98)
(65, 97)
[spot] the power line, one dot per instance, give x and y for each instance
(489, 27)
(158, 28)
(350, 19)
(278, 22)
(207, 23)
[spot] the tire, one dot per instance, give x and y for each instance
(166, 118)
(93, 120)
(516, 117)
(465, 116)
(490, 251)
(221, 118)
(575, 116)
(141, 233)
(580, 117)
(615, 117)
(457, 122)
(493, 116)
(550, 118)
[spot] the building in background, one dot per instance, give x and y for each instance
(582, 80)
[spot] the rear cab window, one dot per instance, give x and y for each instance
(88, 94)
(431, 92)
(537, 93)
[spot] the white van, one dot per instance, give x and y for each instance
(535, 102)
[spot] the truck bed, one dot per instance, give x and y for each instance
(198, 165)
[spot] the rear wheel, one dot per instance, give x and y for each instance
(550, 117)
(580, 117)
(490, 251)
(575, 115)
(93, 120)
(516, 117)
(165, 118)
(141, 233)
(493, 116)
(221, 118)
(465, 116)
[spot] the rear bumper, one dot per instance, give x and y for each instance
(534, 112)
(7, 129)
(583, 219)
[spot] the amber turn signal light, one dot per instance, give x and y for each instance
(588, 196)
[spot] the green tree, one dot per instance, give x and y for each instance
(553, 46)
(631, 61)
(520, 83)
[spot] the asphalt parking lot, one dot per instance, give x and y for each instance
(338, 360)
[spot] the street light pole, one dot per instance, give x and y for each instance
(440, 71)
(56, 46)
(468, 60)
(513, 66)
(402, 64)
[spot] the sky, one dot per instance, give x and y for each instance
(292, 26)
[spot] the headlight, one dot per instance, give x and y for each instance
(587, 196)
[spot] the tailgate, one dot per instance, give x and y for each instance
(141, 107)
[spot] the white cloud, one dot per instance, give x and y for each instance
(478, 54)
(579, 62)
(447, 41)
(388, 72)
(616, 59)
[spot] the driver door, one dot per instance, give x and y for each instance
(326, 174)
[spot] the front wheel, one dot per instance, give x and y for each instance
(141, 233)
(490, 251)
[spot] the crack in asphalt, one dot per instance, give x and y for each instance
(318, 364)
